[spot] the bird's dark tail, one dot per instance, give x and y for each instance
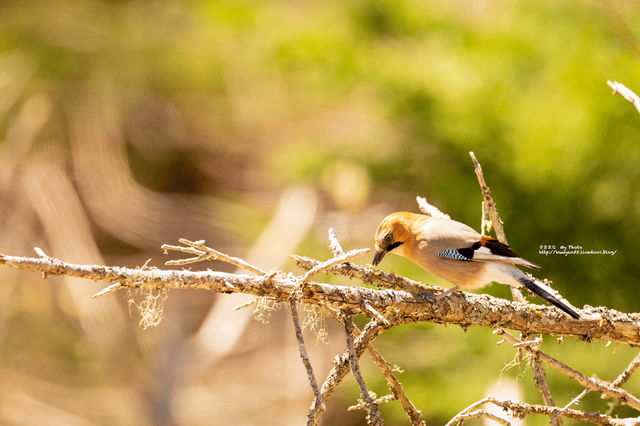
(547, 296)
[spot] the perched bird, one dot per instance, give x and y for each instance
(457, 253)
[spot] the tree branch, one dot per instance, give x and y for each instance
(206, 253)
(626, 374)
(341, 365)
(396, 388)
(469, 412)
(373, 415)
(396, 301)
(369, 275)
(305, 358)
(622, 90)
(489, 206)
(589, 383)
(415, 416)
(543, 386)
(489, 209)
(400, 307)
(521, 409)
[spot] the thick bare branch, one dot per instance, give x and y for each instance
(398, 307)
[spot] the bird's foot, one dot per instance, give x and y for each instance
(427, 295)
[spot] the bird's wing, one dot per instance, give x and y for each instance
(454, 240)
(492, 250)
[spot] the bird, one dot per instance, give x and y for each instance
(456, 253)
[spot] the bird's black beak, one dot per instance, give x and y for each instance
(378, 257)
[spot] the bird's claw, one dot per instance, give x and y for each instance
(426, 295)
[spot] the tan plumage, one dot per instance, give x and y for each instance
(456, 253)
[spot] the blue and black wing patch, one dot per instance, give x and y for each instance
(465, 254)
(453, 254)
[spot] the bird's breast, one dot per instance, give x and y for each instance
(465, 274)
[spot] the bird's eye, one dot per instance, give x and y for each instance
(388, 239)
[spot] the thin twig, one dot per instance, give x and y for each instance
(334, 244)
(305, 358)
(378, 401)
(489, 207)
(520, 409)
(396, 387)
(469, 408)
(488, 201)
(368, 308)
(543, 386)
(373, 416)
(540, 376)
(324, 266)
(482, 414)
(430, 210)
(384, 399)
(342, 366)
(246, 305)
(589, 383)
(626, 374)
(621, 27)
(466, 413)
(108, 290)
(369, 276)
(207, 253)
(572, 402)
(534, 343)
(628, 94)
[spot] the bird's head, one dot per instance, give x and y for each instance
(393, 232)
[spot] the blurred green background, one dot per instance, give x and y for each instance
(259, 125)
